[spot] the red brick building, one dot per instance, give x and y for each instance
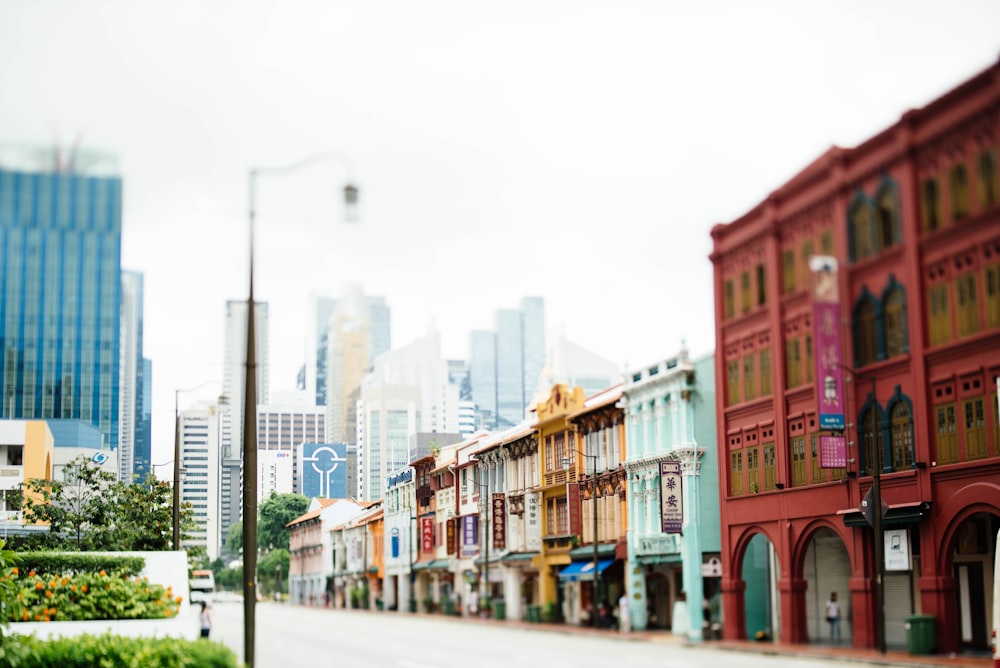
(912, 217)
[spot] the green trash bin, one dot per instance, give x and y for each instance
(448, 606)
(920, 634)
(499, 609)
(534, 614)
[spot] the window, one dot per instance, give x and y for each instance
(761, 285)
(770, 467)
(861, 230)
(940, 310)
(974, 433)
(894, 308)
(765, 372)
(788, 272)
(930, 214)
(736, 472)
(809, 358)
(729, 300)
(888, 218)
(793, 363)
(992, 280)
(753, 469)
(866, 332)
(826, 242)
(959, 182)
(798, 444)
(733, 382)
(902, 436)
(745, 291)
(987, 167)
(807, 252)
(968, 306)
(869, 437)
(818, 472)
(749, 378)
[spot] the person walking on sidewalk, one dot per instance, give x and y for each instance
(206, 620)
(624, 614)
(833, 617)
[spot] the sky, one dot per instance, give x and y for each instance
(580, 150)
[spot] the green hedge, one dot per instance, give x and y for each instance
(110, 651)
(65, 563)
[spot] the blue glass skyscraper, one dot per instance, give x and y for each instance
(60, 294)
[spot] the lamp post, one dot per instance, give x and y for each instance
(250, 395)
(876, 513)
(593, 498)
(176, 542)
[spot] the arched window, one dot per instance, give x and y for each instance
(861, 229)
(894, 312)
(901, 420)
(869, 436)
(865, 331)
(889, 233)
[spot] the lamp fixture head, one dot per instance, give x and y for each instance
(350, 203)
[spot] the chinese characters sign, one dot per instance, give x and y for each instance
(832, 452)
(427, 534)
(573, 496)
(470, 535)
(533, 518)
(826, 333)
(499, 517)
(671, 503)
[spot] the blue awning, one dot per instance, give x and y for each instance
(580, 571)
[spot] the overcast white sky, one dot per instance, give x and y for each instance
(577, 150)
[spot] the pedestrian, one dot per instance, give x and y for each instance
(833, 617)
(624, 614)
(206, 620)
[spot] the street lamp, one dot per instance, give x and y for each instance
(593, 497)
(876, 512)
(250, 395)
(176, 542)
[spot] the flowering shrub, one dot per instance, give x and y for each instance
(87, 651)
(85, 596)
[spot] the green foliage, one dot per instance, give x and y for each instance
(91, 510)
(269, 565)
(234, 541)
(87, 651)
(275, 512)
(8, 585)
(68, 563)
(85, 596)
(230, 578)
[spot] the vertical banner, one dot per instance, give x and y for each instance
(826, 335)
(573, 506)
(499, 519)
(470, 535)
(450, 540)
(427, 534)
(533, 518)
(671, 500)
(832, 452)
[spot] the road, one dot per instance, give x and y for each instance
(290, 636)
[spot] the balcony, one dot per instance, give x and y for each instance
(11, 477)
(10, 517)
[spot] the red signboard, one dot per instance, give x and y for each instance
(499, 530)
(450, 537)
(427, 534)
(574, 500)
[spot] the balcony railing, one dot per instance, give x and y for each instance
(10, 517)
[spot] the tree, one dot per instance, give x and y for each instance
(234, 541)
(270, 564)
(275, 512)
(92, 510)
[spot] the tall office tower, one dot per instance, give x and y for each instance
(573, 365)
(199, 443)
(133, 405)
(406, 392)
(231, 413)
(323, 308)
(282, 428)
(504, 365)
(60, 287)
(357, 333)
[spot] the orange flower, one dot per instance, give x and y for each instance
(39, 585)
(15, 571)
(26, 616)
(48, 594)
(53, 584)
(31, 574)
(65, 581)
(103, 573)
(84, 589)
(72, 587)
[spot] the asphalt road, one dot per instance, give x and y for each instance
(291, 637)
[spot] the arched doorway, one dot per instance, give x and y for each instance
(760, 598)
(826, 568)
(973, 556)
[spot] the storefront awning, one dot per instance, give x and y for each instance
(898, 513)
(587, 551)
(437, 564)
(580, 571)
(520, 556)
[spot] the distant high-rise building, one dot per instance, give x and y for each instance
(231, 413)
(283, 426)
(200, 484)
(133, 401)
(357, 332)
(407, 391)
(60, 287)
(575, 366)
(505, 364)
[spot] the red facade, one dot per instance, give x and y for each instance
(913, 218)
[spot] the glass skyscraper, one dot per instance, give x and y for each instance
(60, 294)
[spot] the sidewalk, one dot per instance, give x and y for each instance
(817, 651)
